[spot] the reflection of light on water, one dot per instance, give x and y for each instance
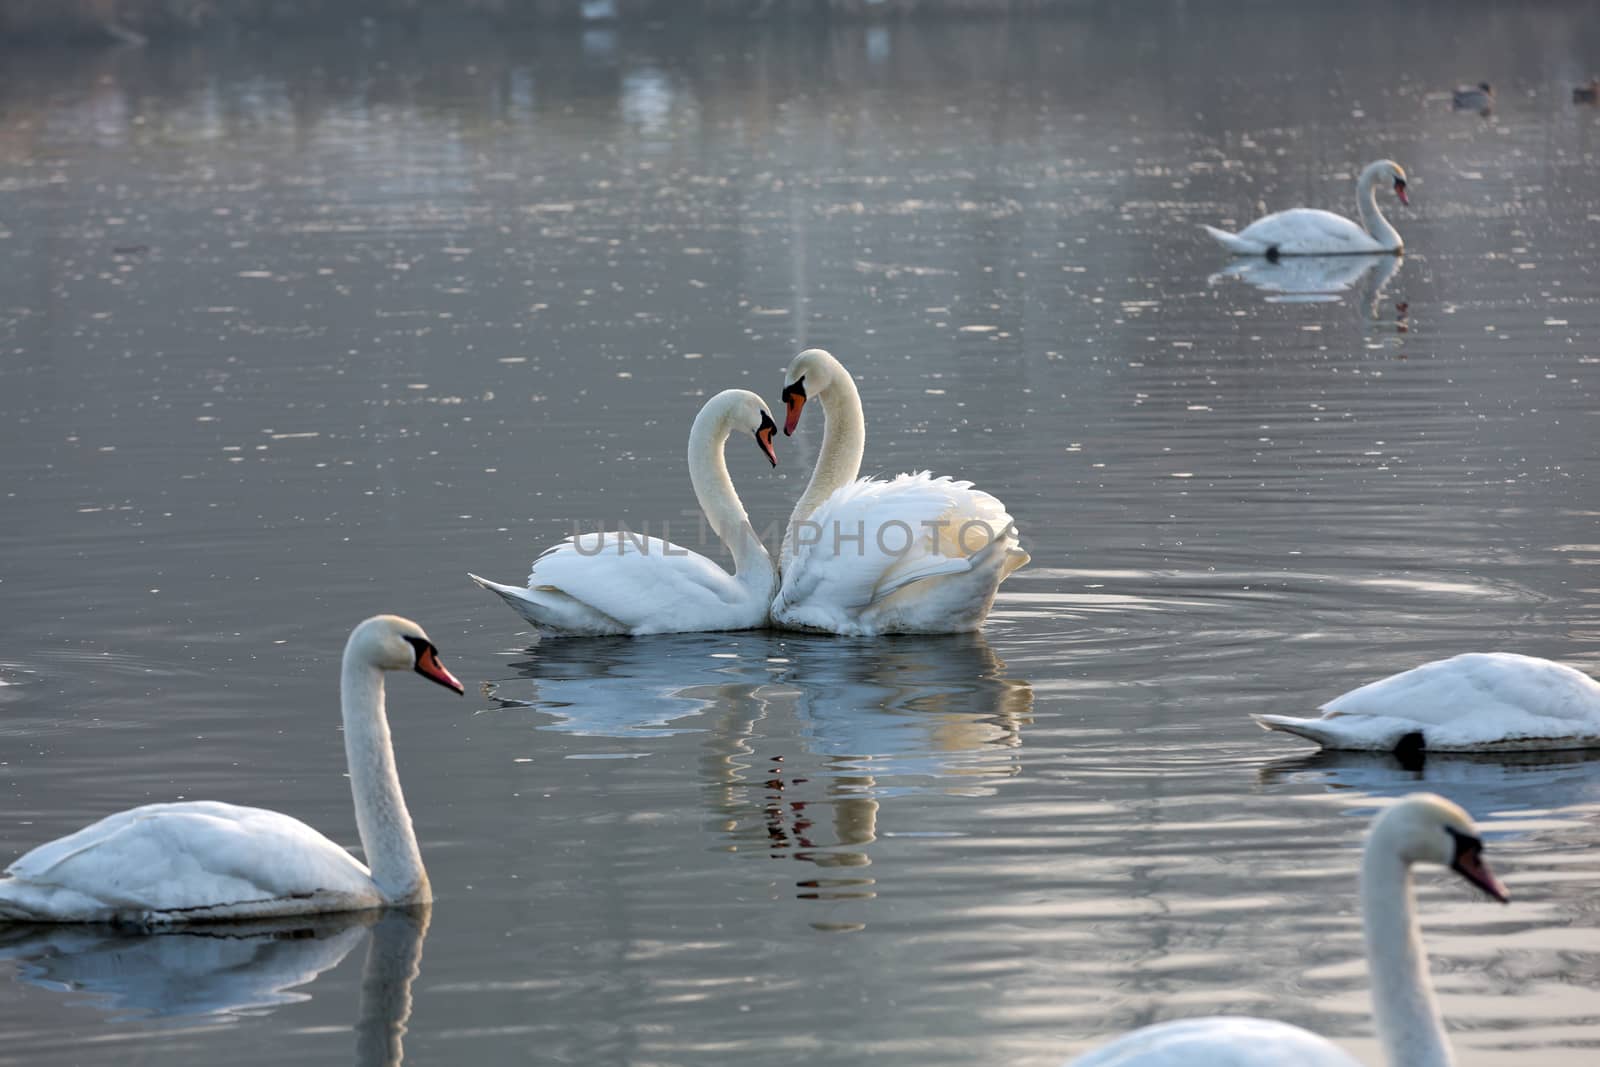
(1488, 786)
(1311, 279)
(245, 968)
(647, 99)
(521, 91)
(184, 972)
(805, 742)
(599, 44)
(599, 9)
(878, 44)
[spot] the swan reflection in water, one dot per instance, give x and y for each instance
(246, 968)
(1486, 785)
(1317, 279)
(806, 736)
(917, 700)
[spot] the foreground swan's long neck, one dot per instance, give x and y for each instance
(1402, 993)
(844, 442)
(381, 815)
(1371, 216)
(713, 488)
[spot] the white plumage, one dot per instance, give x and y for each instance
(623, 583)
(911, 554)
(194, 860)
(1305, 231)
(878, 545)
(1219, 1041)
(615, 583)
(1474, 702)
(201, 861)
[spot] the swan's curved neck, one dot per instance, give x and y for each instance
(713, 489)
(381, 816)
(844, 441)
(1371, 216)
(1402, 993)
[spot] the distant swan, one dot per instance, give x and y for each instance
(1475, 702)
(1305, 231)
(624, 583)
(1422, 828)
(914, 554)
(201, 861)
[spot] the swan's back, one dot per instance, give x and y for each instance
(1477, 701)
(1308, 231)
(1218, 1041)
(172, 858)
(1482, 683)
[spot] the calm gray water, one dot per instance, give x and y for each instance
(299, 330)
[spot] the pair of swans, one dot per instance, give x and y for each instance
(914, 554)
(1422, 828)
(205, 861)
(1304, 231)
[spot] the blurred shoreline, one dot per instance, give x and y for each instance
(135, 22)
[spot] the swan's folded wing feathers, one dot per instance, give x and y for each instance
(862, 533)
(172, 857)
(874, 537)
(1493, 683)
(1302, 230)
(633, 579)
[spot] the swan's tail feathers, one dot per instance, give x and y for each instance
(510, 593)
(1311, 729)
(1233, 242)
(551, 611)
(522, 601)
(14, 908)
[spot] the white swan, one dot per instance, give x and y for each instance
(1422, 828)
(201, 861)
(916, 554)
(1305, 231)
(1474, 702)
(625, 583)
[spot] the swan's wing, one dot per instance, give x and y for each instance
(1477, 700)
(644, 583)
(1475, 683)
(1218, 1041)
(1310, 231)
(1233, 242)
(872, 538)
(173, 857)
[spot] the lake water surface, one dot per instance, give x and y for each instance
(293, 331)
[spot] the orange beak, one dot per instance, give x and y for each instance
(794, 398)
(429, 667)
(1471, 866)
(764, 436)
